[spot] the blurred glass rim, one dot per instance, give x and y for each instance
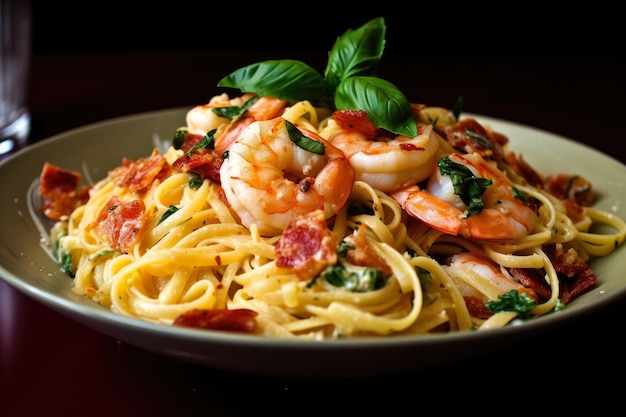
(16, 134)
(15, 49)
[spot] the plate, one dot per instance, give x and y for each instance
(27, 265)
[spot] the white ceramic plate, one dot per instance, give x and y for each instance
(93, 150)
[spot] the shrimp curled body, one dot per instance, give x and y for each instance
(504, 216)
(201, 119)
(471, 269)
(269, 180)
(390, 164)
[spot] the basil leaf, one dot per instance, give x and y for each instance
(229, 112)
(207, 141)
(425, 277)
(66, 264)
(512, 301)
(457, 108)
(103, 253)
(466, 185)
(475, 188)
(171, 210)
(383, 102)
(344, 247)
(365, 280)
(483, 141)
(356, 52)
(235, 112)
(64, 257)
(518, 194)
(179, 138)
(286, 79)
(303, 141)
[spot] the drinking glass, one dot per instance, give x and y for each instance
(15, 54)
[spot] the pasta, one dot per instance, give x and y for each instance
(300, 217)
(200, 257)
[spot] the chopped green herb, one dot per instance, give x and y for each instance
(234, 112)
(512, 301)
(519, 195)
(66, 264)
(303, 141)
(580, 190)
(207, 141)
(426, 278)
(57, 242)
(179, 138)
(195, 183)
(344, 247)
(570, 182)
(64, 257)
(366, 279)
(102, 253)
(479, 138)
(560, 305)
(171, 210)
(466, 185)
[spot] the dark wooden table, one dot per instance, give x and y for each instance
(51, 365)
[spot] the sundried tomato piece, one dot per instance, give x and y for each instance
(238, 320)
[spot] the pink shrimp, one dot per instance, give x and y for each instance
(201, 119)
(269, 179)
(473, 270)
(504, 215)
(387, 163)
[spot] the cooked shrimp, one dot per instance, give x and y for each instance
(268, 179)
(202, 119)
(503, 215)
(480, 280)
(481, 277)
(388, 163)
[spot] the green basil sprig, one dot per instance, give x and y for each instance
(349, 81)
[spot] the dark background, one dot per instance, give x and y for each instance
(429, 28)
(523, 62)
